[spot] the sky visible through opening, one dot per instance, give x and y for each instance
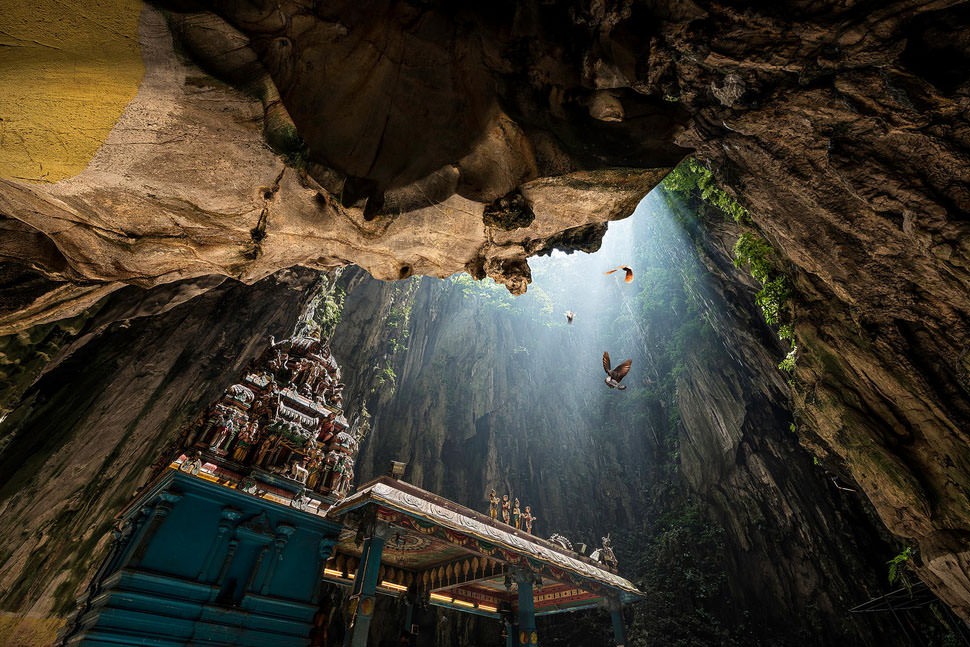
(556, 368)
(609, 312)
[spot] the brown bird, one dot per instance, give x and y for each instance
(569, 316)
(614, 376)
(628, 270)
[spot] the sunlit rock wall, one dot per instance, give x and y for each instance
(483, 398)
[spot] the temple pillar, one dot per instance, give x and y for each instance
(527, 609)
(509, 633)
(154, 518)
(229, 517)
(616, 614)
(325, 549)
(365, 588)
(408, 614)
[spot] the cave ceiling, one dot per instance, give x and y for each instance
(181, 140)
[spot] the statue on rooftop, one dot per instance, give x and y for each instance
(506, 509)
(244, 442)
(345, 476)
(516, 514)
(226, 427)
(314, 467)
(192, 465)
(493, 502)
(556, 538)
(606, 553)
(264, 447)
(299, 471)
(528, 519)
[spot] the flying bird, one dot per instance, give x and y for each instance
(614, 376)
(569, 316)
(627, 269)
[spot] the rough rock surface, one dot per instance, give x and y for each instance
(198, 177)
(841, 125)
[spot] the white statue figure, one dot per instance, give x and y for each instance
(299, 471)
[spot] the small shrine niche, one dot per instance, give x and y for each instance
(285, 417)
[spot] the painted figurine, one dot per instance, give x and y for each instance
(606, 554)
(192, 465)
(298, 470)
(346, 476)
(265, 447)
(528, 519)
(493, 504)
(314, 466)
(506, 509)
(224, 426)
(245, 440)
(516, 514)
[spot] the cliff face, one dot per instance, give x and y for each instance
(503, 394)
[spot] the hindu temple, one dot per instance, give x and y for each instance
(237, 536)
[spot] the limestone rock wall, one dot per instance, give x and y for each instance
(479, 401)
(842, 126)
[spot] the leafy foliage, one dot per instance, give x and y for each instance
(898, 563)
(683, 562)
(695, 183)
(535, 303)
(325, 309)
(757, 254)
(691, 178)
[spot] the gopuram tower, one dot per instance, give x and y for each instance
(227, 544)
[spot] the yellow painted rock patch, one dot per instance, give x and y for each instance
(68, 68)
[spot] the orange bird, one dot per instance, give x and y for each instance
(628, 270)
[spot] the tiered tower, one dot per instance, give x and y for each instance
(228, 543)
(281, 427)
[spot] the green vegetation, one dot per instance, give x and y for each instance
(683, 562)
(897, 565)
(325, 309)
(693, 178)
(696, 185)
(772, 298)
(535, 303)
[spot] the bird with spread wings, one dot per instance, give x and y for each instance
(615, 375)
(625, 268)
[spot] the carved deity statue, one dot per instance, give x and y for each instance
(192, 465)
(345, 474)
(506, 509)
(315, 467)
(244, 442)
(493, 502)
(265, 447)
(298, 470)
(226, 427)
(606, 553)
(516, 514)
(528, 519)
